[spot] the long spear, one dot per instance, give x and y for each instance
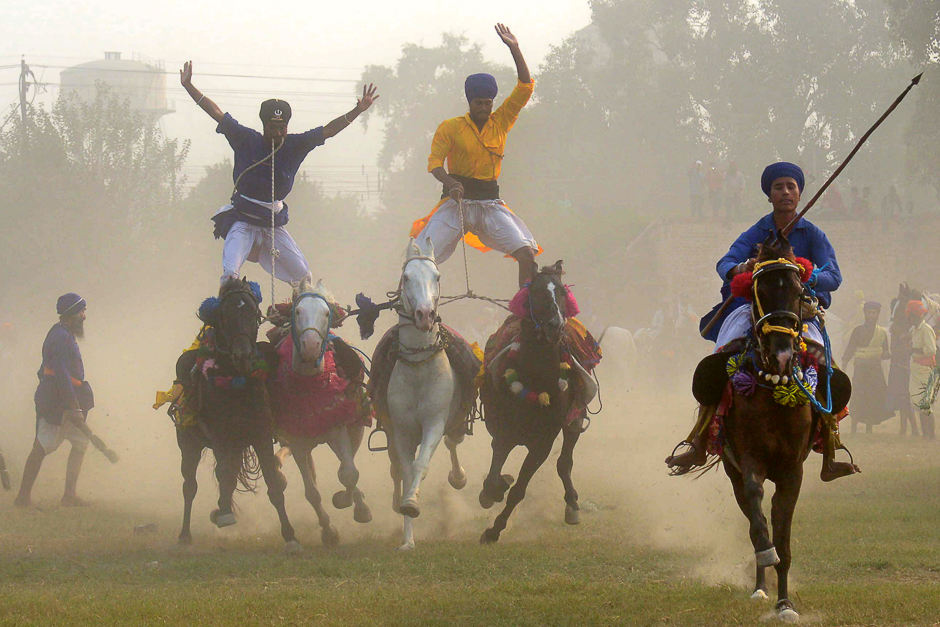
(789, 227)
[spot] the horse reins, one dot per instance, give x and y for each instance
(438, 344)
(324, 337)
(762, 324)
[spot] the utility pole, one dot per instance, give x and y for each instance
(24, 73)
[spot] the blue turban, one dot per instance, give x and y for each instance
(69, 304)
(779, 170)
(480, 86)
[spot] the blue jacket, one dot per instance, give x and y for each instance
(807, 240)
(249, 148)
(60, 357)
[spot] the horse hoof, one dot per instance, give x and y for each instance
(329, 536)
(485, 501)
(293, 548)
(457, 482)
(410, 508)
(767, 558)
(407, 546)
(489, 537)
(362, 513)
(184, 540)
(786, 613)
(342, 499)
(509, 479)
(222, 520)
(572, 515)
(759, 595)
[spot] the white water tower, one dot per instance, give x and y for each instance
(141, 82)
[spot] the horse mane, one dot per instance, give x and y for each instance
(779, 249)
(307, 285)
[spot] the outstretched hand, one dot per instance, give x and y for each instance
(186, 74)
(506, 35)
(368, 97)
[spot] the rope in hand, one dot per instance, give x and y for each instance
(446, 300)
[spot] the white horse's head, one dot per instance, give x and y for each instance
(420, 284)
(310, 320)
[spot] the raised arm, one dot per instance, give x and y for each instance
(186, 80)
(522, 70)
(368, 97)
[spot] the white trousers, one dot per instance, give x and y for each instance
(52, 436)
(490, 220)
(738, 323)
(248, 242)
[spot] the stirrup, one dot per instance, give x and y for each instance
(678, 471)
(377, 449)
(843, 447)
(585, 425)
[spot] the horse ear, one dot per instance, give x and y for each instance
(428, 247)
(412, 250)
(557, 265)
(320, 287)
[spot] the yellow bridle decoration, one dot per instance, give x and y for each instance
(771, 328)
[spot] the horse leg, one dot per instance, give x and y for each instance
(457, 477)
(430, 438)
(395, 472)
(228, 461)
(496, 484)
(342, 445)
(303, 456)
(533, 461)
(565, 464)
(781, 516)
(748, 493)
(267, 461)
(191, 453)
(406, 447)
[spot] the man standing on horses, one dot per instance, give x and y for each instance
(782, 183)
(246, 223)
(473, 146)
(63, 398)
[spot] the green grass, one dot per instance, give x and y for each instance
(866, 552)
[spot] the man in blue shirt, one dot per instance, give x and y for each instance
(246, 223)
(782, 183)
(62, 399)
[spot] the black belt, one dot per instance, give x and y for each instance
(475, 189)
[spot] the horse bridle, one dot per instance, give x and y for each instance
(403, 311)
(221, 332)
(538, 325)
(762, 325)
(296, 334)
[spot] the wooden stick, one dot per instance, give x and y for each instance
(97, 442)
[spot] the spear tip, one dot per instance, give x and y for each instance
(916, 79)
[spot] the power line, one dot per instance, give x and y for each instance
(156, 71)
(262, 65)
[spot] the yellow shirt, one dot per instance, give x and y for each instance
(474, 153)
(924, 339)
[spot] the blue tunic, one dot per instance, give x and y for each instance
(807, 240)
(249, 148)
(56, 392)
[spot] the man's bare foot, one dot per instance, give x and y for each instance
(832, 470)
(695, 456)
(70, 500)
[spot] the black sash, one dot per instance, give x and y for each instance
(475, 189)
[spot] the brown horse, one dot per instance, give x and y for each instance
(536, 369)
(764, 439)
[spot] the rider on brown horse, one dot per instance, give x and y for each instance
(783, 184)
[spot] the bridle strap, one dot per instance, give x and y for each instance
(402, 309)
(324, 337)
(220, 334)
(763, 322)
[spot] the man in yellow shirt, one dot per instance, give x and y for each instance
(473, 147)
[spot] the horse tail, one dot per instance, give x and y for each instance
(250, 471)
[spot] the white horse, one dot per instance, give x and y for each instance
(312, 315)
(423, 391)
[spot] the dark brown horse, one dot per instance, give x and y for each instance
(763, 439)
(231, 410)
(514, 420)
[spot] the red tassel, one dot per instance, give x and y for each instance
(807, 267)
(741, 285)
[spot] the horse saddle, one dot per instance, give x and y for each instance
(711, 378)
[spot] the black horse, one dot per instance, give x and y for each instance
(518, 382)
(224, 383)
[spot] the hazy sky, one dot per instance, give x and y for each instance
(277, 38)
